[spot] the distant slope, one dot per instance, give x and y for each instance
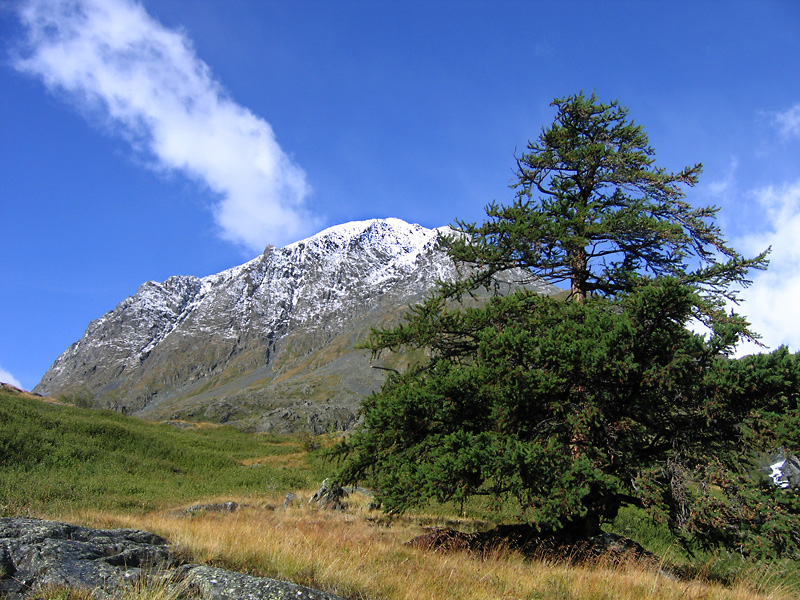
(55, 456)
(267, 345)
(13, 390)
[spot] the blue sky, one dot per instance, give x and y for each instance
(147, 139)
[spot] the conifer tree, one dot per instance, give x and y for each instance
(571, 407)
(592, 209)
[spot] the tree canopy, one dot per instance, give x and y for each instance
(592, 209)
(572, 407)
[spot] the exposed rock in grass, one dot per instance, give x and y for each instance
(289, 500)
(37, 555)
(330, 496)
(219, 507)
(220, 584)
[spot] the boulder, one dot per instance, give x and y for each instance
(35, 554)
(330, 496)
(228, 507)
(219, 584)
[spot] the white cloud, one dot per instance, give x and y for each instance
(6, 377)
(147, 84)
(789, 121)
(771, 303)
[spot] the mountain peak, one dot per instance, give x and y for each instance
(386, 233)
(182, 346)
(269, 344)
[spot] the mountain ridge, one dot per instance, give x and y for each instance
(266, 345)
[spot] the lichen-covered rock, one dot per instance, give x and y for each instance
(227, 507)
(219, 584)
(36, 554)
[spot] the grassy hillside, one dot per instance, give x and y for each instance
(56, 457)
(103, 469)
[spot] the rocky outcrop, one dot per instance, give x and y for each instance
(36, 554)
(266, 346)
(223, 507)
(219, 584)
(330, 496)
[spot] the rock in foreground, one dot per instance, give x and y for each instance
(36, 554)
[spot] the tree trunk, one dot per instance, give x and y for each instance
(580, 274)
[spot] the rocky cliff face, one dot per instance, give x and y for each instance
(267, 345)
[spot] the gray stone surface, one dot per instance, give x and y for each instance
(227, 507)
(219, 584)
(330, 496)
(36, 553)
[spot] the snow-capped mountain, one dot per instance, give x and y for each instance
(268, 344)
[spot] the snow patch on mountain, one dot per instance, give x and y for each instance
(319, 283)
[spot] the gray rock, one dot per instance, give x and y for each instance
(784, 471)
(220, 507)
(330, 496)
(36, 554)
(219, 584)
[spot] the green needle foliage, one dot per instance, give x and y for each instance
(571, 409)
(593, 210)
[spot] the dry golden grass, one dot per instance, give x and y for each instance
(147, 587)
(357, 556)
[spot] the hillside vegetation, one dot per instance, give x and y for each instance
(103, 469)
(56, 457)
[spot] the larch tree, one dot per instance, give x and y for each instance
(570, 407)
(592, 209)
